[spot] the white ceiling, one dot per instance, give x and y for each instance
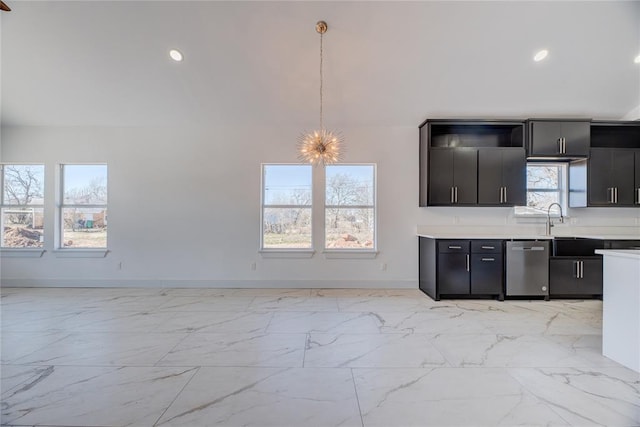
(256, 63)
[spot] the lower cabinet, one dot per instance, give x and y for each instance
(469, 268)
(575, 277)
(486, 274)
(475, 268)
(622, 244)
(453, 274)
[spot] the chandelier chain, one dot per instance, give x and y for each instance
(321, 58)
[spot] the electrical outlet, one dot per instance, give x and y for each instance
(253, 266)
(383, 266)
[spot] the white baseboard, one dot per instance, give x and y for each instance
(177, 283)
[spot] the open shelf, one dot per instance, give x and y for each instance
(476, 134)
(615, 135)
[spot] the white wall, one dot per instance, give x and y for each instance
(184, 208)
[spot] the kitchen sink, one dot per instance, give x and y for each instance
(575, 246)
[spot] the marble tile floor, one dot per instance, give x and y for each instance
(304, 357)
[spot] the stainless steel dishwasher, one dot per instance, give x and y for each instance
(527, 268)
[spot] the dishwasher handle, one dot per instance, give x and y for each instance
(532, 248)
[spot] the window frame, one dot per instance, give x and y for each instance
(291, 252)
(61, 206)
(33, 207)
(374, 248)
(562, 190)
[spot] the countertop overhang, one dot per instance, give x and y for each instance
(622, 253)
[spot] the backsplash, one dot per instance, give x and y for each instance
(600, 220)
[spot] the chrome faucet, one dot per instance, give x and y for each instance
(549, 222)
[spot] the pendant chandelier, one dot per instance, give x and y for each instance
(320, 146)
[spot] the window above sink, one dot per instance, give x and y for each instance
(547, 183)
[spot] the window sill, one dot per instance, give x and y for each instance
(21, 253)
(284, 253)
(350, 254)
(80, 253)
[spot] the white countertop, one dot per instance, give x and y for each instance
(511, 232)
(621, 253)
(488, 236)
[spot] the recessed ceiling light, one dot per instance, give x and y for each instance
(541, 55)
(637, 60)
(176, 55)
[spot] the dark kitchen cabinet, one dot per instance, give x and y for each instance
(502, 176)
(468, 268)
(622, 244)
(636, 184)
(575, 277)
(554, 138)
(611, 180)
(611, 175)
(487, 268)
(453, 176)
(453, 270)
(449, 160)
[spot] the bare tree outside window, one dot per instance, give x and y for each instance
(84, 206)
(22, 206)
(546, 184)
(350, 207)
(286, 207)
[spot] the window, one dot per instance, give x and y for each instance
(286, 206)
(350, 207)
(83, 213)
(22, 203)
(546, 184)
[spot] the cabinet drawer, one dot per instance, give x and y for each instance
(486, 246)
(453, 246)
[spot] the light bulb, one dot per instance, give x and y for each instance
(176, 55)
(541, 55)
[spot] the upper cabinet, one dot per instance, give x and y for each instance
(611, 175)
(560, 139)
(472, 163)
(453, 176)
(484, 162)
(502, 175)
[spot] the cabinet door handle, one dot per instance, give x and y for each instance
(610, 195)
(456, 192)
(615, 192)
(488, 247)
(488, 259)
(455, 247)
(559, 145)
(451, 195)
(576, 264)
(505, 194)
(579, 269)
(638, 196)
(467, 262)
